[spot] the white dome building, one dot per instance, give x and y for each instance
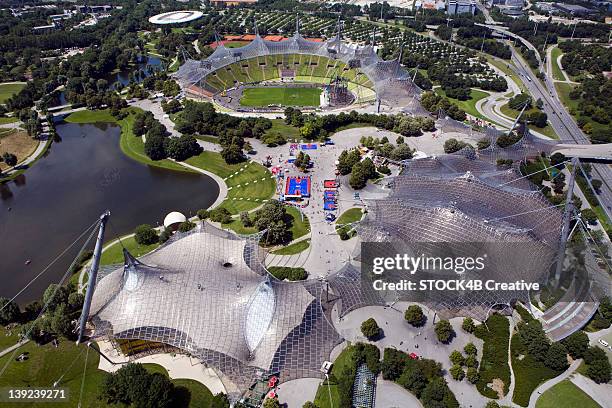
(173, 220)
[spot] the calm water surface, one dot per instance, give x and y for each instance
(85, 173)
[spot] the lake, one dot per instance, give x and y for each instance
(44, 210)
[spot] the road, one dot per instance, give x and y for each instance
(562, 122)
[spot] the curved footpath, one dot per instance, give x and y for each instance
(552, 382)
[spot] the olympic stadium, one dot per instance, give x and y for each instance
(346, 74)
(175, 17)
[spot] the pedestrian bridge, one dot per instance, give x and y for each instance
(598, 152)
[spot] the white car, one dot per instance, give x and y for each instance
(604, 343)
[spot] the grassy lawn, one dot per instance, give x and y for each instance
(239, 228)
(114, 254)
(7, 120)
(557, 73)
(45, 366)
(565, 395)
(322, 399)
(494, 363)
(503, 66)
(249, 183)
(213, 162)
(299, 227)
(528, 372)
(235, 44)
(293, 248)
(130, 145)
(288, 131)
(281, 96)
(468, 106)
(546, 131)
(18, 143)
(8, 90)
(573, 105)
(199, 394)
(349, 216)
(8, 340)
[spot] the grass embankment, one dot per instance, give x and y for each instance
(565, 395)
(249, 184)
(114, 253)
(468, 106)
(131, 145)
(46, 364)
(528, 372)
(7, 120)
(546, 131)
(573, 105)
(557, 73)
(293, 248)
(342, 363)
(17, 143)
(8, 90)
(349, 216)
(494, 363)
(198, 394)
(505, 68)
(291, 133)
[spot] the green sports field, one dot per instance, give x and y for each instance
(281, 96)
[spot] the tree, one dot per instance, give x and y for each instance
(471, 361)
(75, 301)
(9, 312)
(358, 179)
(457, 372)
(232, 154)
(154, 147)
(186, 226)
(556, 357)
(133, 384)
(54, 296)
(183, 147)
(401, 152)
(220, 214)
(468, 325)
(145, 235)
(492, 404)
(589, 216)
(9, 158)
(370, 329)
(472, 375)
(413, 380)
(309, 404)
(220, 401)
(453, 145)
(271, 403)
(444, 331)
(599, 371)
(576, 344)
(414, 315)
(456, 358)
(470, 349)
(245, 219)
(60, 321)
(203, 214)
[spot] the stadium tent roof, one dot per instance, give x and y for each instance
(392, 83)
(466, 203)
(175, 17)
(206, 292)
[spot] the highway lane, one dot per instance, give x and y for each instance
(562, 122)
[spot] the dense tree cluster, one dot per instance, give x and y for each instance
(453, 145)
(478, 37)
(422, 377)
(273, 218)
(145, 235)
(434, 102)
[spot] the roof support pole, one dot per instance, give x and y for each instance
(93, 274)
(567, 216)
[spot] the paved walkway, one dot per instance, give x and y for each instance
(392, 395)
(601, 393)
(13, 347)
(296, 392)
(178, 366)
(553, 381)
